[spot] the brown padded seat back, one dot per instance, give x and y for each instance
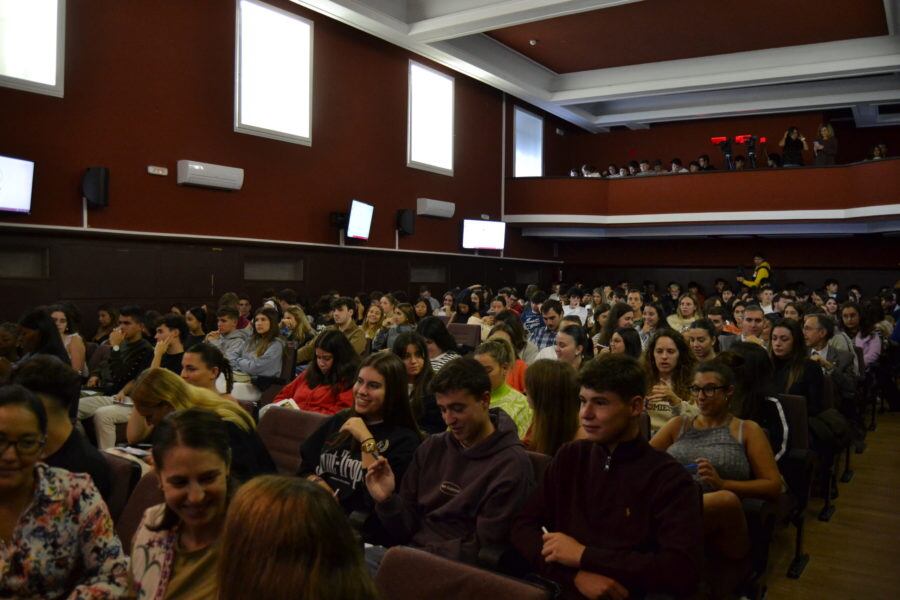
(124, 475)
(283, 431)
(539, 464)
(410, 574)
(98, 357)
(797, 417)
(465, 335)
(146, 494)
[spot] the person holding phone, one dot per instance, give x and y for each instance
(825, 146)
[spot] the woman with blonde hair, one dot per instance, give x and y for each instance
(295, 326)
(498, 357)
(552, 388)
(158, 392)
(687, 312)
(301, 543)
(825, 146)
(372, 323)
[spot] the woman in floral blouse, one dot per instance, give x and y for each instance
(176, 547)
(56, 535)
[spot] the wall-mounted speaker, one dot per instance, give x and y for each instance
(95, 187)
(406, 221)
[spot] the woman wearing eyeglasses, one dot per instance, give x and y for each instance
(57, 536)
(729, 457)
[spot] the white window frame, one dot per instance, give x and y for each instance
(36, 87)
(518, 109)
(409, 104)
(239, 126)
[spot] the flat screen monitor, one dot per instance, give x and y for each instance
(16, 178)
(483, 235)
(360, 221)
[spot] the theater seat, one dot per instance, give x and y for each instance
(410, 574)
(283, 431)
(124, 475)
(98, 357)
(466, 336)
(146, 494)
(288, 362)
(796, 469)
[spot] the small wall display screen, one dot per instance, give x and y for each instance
(16, 179)
(360, 221)
(483, 235)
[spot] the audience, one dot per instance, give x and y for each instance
(442, 347)
(301, 544)
(413, 351)
(729, 457)
(325, 386)
(176, 547)
(107, 319)
(497, 357)
(463, 486)
(460, 489)
(574, 531)
(380, 423)
(58, 387)
(130, 355)
(72, 341)
(159, 392)
(259, 361)
(552, 393)
(58, 538)
(668, 363)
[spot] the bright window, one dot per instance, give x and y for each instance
(32, 45)
(273, 95)
(430, 144)
(529, 139)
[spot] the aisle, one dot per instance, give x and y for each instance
(855, 555)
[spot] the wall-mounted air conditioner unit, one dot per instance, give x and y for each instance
(192, 172)
(435, 208)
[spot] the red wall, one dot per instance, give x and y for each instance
(150, 87)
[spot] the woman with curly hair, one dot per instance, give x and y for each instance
(670, 365)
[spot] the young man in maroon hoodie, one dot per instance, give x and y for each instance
(613, 517)
(465, 485)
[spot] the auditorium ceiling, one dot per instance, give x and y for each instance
(606, 63)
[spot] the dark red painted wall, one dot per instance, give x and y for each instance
(150, 87)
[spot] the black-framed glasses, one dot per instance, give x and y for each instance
(706, 390)
(24, 446)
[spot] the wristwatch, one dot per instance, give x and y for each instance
(369, 446)
(115, 348)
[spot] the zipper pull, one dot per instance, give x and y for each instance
(608, 463)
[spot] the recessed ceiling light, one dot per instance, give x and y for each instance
(532, 42)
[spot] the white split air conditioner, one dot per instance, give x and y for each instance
(192, 172)
(435, 208)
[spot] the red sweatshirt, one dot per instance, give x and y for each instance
(320, 399)
(636, 510)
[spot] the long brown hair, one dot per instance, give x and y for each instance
(553, 392)
(261, 342)
(682, 375)
(301, 543)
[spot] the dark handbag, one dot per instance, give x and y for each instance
(830, 429)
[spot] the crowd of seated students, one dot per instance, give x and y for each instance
(792, 147)
(423, 446)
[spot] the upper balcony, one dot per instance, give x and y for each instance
(860, 198)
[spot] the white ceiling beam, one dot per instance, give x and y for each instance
(760, 67)
(760, 100)
(495, 15)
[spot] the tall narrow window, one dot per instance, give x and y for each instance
(529, 140)
(273, 79)
(32, 45)
(430, 144)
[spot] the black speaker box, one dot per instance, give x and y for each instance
(406, 221)
(95, 187)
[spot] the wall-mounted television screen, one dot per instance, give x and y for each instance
(16, 179)
(483, 235)
(360, 220)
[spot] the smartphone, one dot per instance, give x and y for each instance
(691, 468)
